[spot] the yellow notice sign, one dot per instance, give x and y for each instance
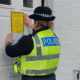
(17, 23)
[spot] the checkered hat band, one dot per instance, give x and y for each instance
(44, 15)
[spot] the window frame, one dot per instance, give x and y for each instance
(7, 6)
(28, 7)
(31, 9)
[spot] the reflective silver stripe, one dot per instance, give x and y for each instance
(42, 57)
(38, 45)
(39, 71)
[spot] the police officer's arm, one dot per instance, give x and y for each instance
(23, 47)
(57, 38)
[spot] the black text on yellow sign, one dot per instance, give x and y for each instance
(17, 23)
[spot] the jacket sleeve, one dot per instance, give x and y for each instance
(23, 47)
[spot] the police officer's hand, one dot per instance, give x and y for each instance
(27, 20)
(9, 39)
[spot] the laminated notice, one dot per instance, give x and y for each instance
(17, 23)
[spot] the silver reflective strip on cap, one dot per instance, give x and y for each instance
(54, 56)
(40, 71)
(38, 45)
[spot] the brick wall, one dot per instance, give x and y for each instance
(67, 28)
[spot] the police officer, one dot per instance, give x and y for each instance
(38, 52)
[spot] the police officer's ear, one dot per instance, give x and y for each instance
(36, 23)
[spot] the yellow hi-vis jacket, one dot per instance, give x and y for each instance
(43, 59)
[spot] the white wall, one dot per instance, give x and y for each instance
(67, 28)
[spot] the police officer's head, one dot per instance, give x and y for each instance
(42, 17)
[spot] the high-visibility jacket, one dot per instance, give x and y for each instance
(43, 59)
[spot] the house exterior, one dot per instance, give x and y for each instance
(66, 27)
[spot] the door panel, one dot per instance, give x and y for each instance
(6, 70)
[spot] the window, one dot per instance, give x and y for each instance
(28, 3)
(8, 2)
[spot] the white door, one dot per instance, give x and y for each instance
(6, 6)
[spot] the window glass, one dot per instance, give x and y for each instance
(8, 2)
(28, 3)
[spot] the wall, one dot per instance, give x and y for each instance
(67, 28)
